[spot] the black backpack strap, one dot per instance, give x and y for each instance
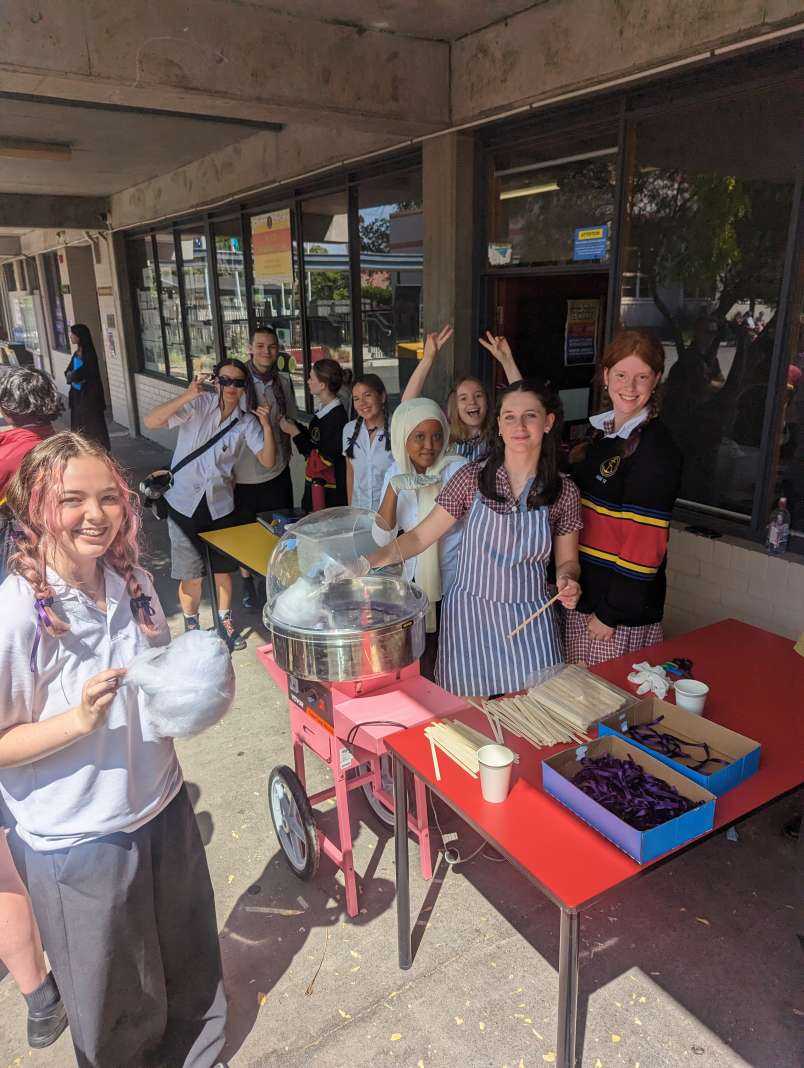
(203, 448)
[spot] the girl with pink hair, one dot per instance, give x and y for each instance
(115, 866)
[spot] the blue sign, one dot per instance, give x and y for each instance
(589, 242)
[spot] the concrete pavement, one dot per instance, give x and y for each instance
(696, 964)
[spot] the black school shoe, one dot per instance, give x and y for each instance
(45, 1025)
(227, 631)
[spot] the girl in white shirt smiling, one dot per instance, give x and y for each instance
(115, 865)
(367, 443)
(202, 495)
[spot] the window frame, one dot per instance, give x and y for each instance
(55, 302)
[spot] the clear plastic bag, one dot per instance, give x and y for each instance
(189, 685)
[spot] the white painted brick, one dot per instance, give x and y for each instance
(679, 564)
(725, 578)
(722, 553)
(698, 586)
(749, 609)
(701, 547)
(741, 559)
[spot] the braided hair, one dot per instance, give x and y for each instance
(547, 483)
(32, 496)
(374, 383)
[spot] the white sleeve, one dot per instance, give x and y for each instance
(186, 412)
(252, 431)
(348, 430)
(17, 636)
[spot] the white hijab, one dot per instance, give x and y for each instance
(405, 420)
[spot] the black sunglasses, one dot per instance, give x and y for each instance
(238, 383)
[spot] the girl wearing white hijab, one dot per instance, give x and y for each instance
(421, 467)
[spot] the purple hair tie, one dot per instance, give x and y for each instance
(141, 607)
(42, 620)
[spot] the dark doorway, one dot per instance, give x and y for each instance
(532, 311)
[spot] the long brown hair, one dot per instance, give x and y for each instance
(32, 495)
(547, 483)
(457, 429)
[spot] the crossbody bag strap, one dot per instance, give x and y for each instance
(203, 448)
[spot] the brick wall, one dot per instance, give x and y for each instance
(110, 343)
(709, 580)
(152, 392)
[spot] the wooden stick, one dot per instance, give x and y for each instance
(436, 768)
(535, 615)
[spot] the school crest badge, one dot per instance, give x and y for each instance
(609, 467)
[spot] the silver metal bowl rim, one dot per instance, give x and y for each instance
(288, 630)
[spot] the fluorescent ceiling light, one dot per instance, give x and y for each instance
(21, 148)
(529, 190)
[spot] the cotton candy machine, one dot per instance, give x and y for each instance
(328, 624)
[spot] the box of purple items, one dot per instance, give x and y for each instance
(713, 756)
(642, 806)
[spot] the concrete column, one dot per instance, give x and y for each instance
(449, 208)
(126, 327)
(84, 294)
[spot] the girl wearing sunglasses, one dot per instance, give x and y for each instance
(201, 497)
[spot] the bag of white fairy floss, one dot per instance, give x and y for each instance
(189, 685)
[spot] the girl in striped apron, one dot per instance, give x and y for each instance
(520, 512)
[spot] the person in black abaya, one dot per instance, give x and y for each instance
(87, 402)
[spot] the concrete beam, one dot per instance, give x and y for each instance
(241, 168)
(9, 245)
(221, 57)
(563, 45)
(81, 213)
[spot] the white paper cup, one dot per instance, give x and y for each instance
(691, 695)
(495, 771)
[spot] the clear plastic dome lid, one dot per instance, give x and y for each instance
(318, 576)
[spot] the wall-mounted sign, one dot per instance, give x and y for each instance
(589, 242)
(500, 253)
(65, 289)
(271, 248)
(580, 336)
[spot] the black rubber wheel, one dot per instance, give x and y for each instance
(294, 822)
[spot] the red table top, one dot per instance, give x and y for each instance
(756, 682)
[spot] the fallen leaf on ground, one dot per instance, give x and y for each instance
(395, 1037)
(459, 1020)
(700, 919)
(549, 1057)
(262, 998)
(615, 1038)
(345, 1015)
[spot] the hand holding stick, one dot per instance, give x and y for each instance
(535, 615)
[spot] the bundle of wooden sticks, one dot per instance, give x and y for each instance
(560, 709)
(458, 741)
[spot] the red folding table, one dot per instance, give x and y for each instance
(756, 684)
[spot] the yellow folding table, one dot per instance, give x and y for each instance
(250, 544)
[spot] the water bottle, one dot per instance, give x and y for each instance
(778, 529)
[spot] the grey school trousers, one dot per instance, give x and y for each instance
(128, 923)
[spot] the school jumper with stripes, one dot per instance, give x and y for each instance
(627, 501)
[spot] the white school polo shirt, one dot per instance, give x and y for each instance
(248, 469)
(407, 517)
(118, 777)
(370, 461)
(213, 473)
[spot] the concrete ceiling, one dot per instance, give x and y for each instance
(110, 150)
(441, 20)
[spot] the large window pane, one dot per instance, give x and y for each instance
(550, 206)
(704, 245)
(146, 303)
(326, 263)
(275, 293)
(232, 287)
(391, 255)
(58, 318)
(171, 306)
(788, 472)
(198, 302)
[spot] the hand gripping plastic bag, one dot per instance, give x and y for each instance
(189, 685)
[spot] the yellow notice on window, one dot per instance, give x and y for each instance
(271, 246)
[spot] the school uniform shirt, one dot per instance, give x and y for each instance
(407, 517)
(325, 433)
(213, 473)
(248, 470)
(370, 462)
(121, 775)
(15, 444)
(471, 449)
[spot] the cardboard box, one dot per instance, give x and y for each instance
(742, 754)
(559, 770)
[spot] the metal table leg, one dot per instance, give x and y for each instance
(402, 868)
(567, 988)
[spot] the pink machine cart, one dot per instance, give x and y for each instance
(345, 724)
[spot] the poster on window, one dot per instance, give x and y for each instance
(581, 332)
(271, 248)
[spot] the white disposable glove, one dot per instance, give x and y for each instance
(414, 482)
(649, 679)
(337, 571)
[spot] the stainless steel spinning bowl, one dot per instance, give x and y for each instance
(374, 625)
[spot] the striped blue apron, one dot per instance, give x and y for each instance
(500, 582)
